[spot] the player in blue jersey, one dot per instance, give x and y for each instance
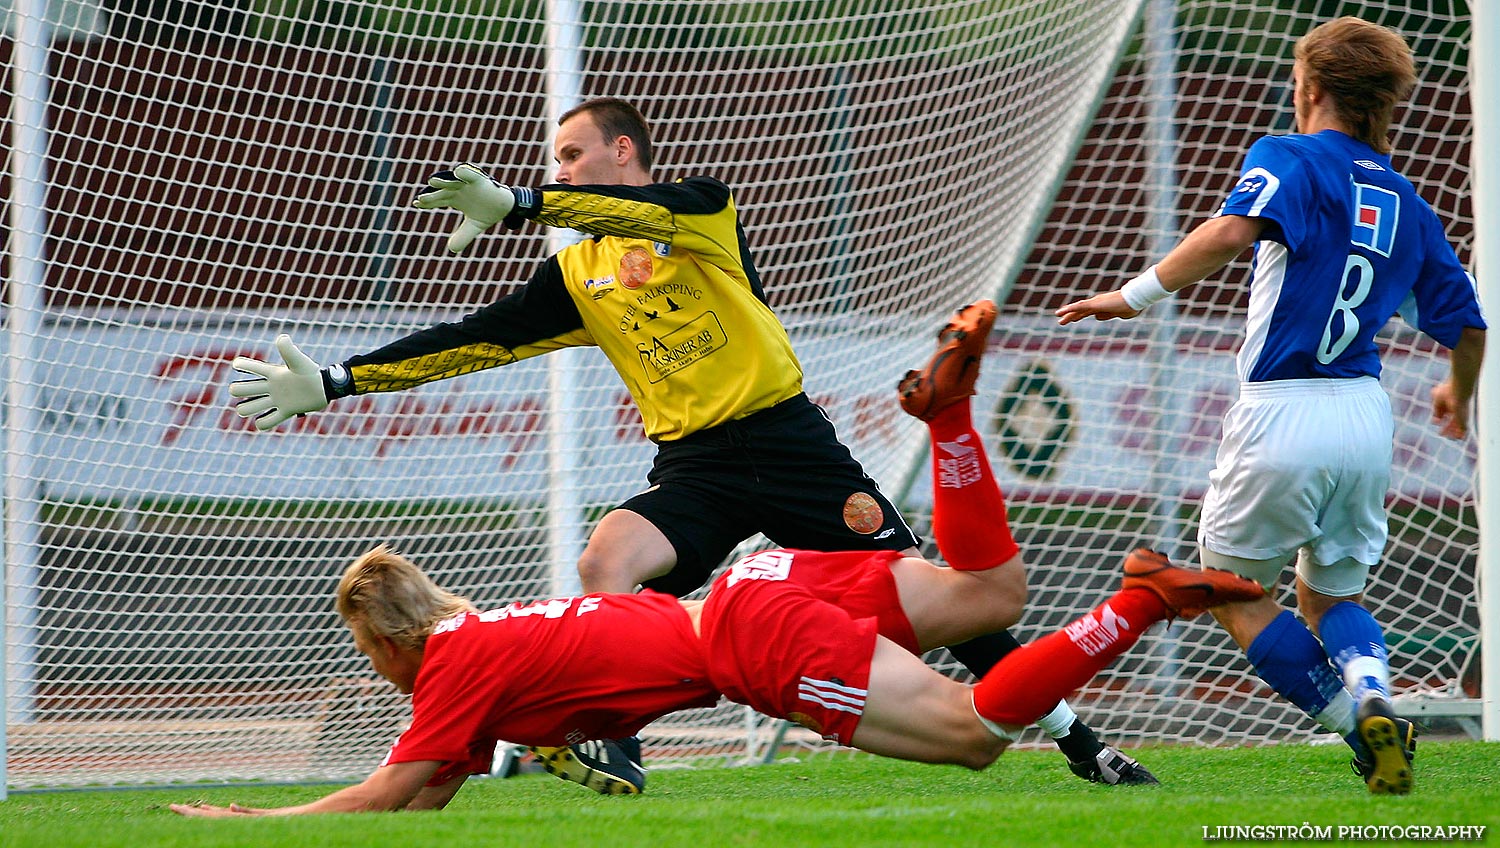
(1342, 243)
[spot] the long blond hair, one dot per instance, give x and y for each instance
(387, 595)
(1366, 69)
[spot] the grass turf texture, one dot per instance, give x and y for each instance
(1028, 798)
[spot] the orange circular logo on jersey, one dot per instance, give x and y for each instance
(635, 268)
(863, 514)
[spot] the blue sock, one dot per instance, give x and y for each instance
(1289, 658)
(1353, 640)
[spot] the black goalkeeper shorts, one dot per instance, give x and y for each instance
(782, 472)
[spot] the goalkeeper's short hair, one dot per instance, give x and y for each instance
(615, 118)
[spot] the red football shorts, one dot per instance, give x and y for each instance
(775, 646)
(862, 584)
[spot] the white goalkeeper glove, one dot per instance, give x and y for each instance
(483, 201)
(279, 391)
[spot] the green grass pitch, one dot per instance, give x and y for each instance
(1027, 798)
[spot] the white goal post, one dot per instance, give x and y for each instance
(1484, 63)
(183, 185)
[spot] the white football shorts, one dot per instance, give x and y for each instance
(1304, 466)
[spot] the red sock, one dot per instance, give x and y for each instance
(1029, 681)
(968, 511)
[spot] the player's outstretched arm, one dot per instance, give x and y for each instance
(1451, 399)
(437, 797)
(483, 202)
(277, 392)
(1208, 248)
(390, 788)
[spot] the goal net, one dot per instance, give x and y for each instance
(188, 181)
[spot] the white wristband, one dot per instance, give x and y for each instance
(1144, 290)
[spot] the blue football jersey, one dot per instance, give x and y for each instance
(1348, 243)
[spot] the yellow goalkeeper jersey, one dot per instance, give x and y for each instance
(665, 288)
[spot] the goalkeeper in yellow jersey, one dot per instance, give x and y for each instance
(666, 288)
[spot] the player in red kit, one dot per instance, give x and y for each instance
(765, 637)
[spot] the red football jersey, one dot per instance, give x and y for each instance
(553, 673)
